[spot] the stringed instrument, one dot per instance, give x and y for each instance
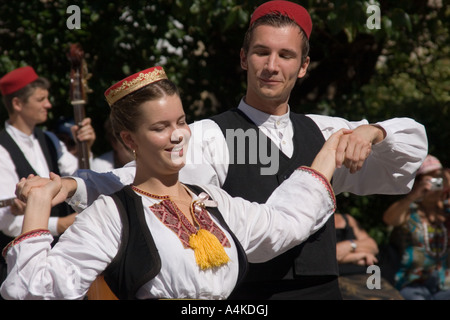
(78, 96)
(99, 290)
(6, 202)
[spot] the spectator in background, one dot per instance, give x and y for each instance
(355, 251)
(420, 235)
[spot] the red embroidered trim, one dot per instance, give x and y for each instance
(323, 180)
(25, 236)
(171, 216)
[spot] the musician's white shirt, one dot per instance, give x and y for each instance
(10, 224)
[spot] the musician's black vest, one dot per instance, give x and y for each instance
(138, 260)
(316, 256)
(24, 168)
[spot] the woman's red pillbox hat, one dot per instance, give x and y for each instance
(134, 82)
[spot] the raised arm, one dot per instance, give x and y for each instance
(391, 164)
(398, 212)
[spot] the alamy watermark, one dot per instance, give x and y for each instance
(374, 20)
(74, 20)
(206, 146)
(374, 280)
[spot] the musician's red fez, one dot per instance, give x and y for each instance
(292, 10)
(17, 79)
(133, 83)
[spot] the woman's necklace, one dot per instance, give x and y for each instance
(436, 245)
(148, 194)
(176, 201)
(434, 249)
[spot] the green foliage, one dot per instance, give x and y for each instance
(402, 69)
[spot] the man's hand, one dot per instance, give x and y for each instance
(38, 197)
(18, 207)
(37, 186)
(355, 148)
(24, 187)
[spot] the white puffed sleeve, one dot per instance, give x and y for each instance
(393, 162)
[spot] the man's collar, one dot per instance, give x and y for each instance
(264, 119)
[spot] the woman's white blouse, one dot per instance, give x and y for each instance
(298, 208)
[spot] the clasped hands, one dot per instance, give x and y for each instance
(49, 189)
(345, 147)
(349, 148)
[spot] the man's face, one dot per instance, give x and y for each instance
(35, 110)
(273, 64)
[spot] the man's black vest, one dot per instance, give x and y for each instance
(138, 260)
(316, 256)
(24, 168)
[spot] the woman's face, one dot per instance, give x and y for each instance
(161, 136)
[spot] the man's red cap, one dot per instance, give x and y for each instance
(17, 79)
(294, 11)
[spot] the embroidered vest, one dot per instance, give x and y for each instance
(317, 255)
(137, 260)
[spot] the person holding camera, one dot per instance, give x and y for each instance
(420, 235)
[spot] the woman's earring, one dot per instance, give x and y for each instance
(134, 155)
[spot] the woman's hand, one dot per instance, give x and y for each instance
(325, 161)
(359, 258)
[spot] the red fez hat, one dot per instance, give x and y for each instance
(17, 79)
(294, 11)
(133, 83)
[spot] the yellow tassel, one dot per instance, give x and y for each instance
(208, 251)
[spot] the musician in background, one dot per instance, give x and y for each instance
(26, 149)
